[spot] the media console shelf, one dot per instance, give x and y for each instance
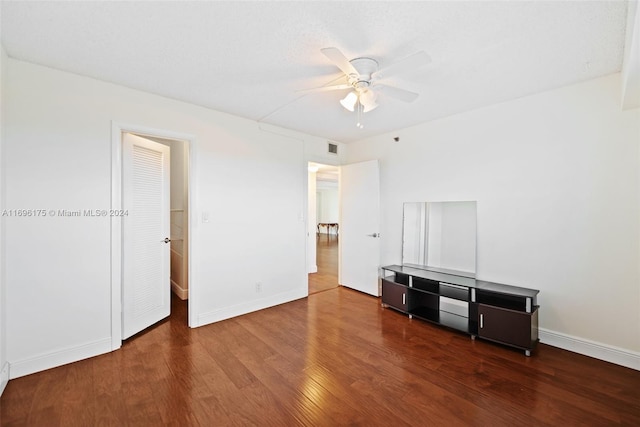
(492, 311)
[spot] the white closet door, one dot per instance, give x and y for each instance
(146, 262)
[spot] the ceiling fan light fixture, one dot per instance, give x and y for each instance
(363, 79)
(349, 101)
(368, 100)
(369, 107)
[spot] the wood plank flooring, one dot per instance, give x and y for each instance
(327, 261)
(335, 358)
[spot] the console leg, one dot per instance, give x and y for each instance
(527, 353)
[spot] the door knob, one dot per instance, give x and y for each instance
(374, 235)
(166, 240)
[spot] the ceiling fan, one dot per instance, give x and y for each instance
(364, 77)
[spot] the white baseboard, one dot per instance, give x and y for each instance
(4, 377)
(313, 269)
(59, 358)
(181, 293)
(250, 306)
(608, 353)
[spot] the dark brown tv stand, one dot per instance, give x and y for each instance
(492, 311)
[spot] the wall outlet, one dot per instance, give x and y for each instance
(258, 287)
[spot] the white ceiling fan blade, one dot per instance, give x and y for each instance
(401, 94)
(339, 60)
(325, 88)
(407, 64)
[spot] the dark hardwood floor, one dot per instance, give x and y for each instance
(327, 261)
(334, 358)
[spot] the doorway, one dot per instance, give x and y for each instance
(324, 224)
(178, 288)
(178, 214)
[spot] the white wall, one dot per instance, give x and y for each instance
(250, 178)
(328, 205)
(556, 180)
(4, 367)
(631, 64)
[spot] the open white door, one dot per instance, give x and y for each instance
(146, 288)
(360, 226)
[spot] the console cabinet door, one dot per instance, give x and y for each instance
(394, 295)
(506, 326)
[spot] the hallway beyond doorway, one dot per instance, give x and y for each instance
(327, 261)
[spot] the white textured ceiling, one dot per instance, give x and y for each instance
(250, 58)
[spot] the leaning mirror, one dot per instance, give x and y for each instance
(440, 236)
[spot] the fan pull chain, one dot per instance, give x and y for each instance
(359, 112)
